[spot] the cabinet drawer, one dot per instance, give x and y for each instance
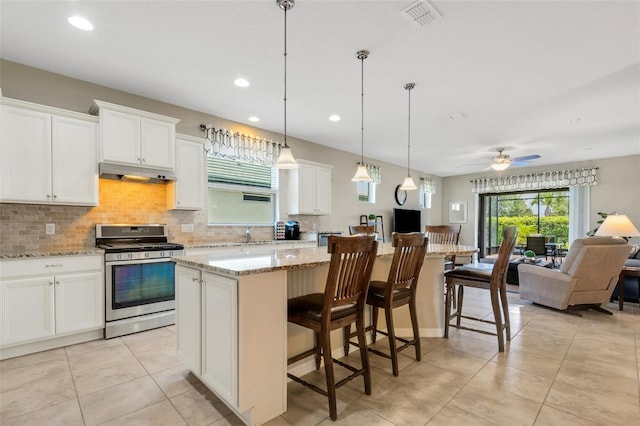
(49, 266)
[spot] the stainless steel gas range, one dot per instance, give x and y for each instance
(139, 277)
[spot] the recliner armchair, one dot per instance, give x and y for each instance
(585, 280)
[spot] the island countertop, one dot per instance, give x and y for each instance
(248, 263)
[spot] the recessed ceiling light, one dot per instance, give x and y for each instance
(254, 119)
(241, 82)
(334, 117)
(80, 23)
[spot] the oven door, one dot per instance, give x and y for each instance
(139, 287)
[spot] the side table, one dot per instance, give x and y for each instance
(627, 271)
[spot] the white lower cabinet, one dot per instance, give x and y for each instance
(220, 335)
(188, 317)
(231, 333)
(50, 297)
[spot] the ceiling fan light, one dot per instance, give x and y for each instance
(408, 184)
(499, 166)
(361, 174)
(285, 159)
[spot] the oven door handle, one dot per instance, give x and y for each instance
(134, 261)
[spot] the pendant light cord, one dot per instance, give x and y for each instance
(285, 74)
(362, 58)
(409, 137)
(409, 86)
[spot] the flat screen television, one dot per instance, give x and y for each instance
(406, 220)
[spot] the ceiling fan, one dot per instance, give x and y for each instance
(502, 161)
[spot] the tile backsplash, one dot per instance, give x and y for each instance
(22, 227)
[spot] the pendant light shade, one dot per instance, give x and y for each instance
(361, 172)
(362, 175)
(409, 184)
(285, 159)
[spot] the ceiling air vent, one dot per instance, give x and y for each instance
(421, 13)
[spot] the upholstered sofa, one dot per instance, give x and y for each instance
(586, 278)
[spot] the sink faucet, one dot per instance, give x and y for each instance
(248, 234)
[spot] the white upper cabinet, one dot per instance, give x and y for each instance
(310, 189)
(186, 193)
(47, 155)
(135, 137)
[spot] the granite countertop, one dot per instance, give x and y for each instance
(278, 259)
(33, 255)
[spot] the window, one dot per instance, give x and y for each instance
(425, 199)
(241, 193)
(533, 212)
(366, 191)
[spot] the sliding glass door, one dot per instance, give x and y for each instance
(533, 212)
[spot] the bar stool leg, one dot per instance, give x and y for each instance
(328, 368)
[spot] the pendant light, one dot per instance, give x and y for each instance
(408, 183)
(361, 172)
(285, 159)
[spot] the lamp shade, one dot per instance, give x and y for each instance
(617, 225)
(361, 174)
(285, 159)
(408, 184)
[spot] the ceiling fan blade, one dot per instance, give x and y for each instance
(526, 158)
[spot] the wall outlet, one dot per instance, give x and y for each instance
(187, 227)
(50, 228)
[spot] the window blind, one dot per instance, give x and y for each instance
(238, 173)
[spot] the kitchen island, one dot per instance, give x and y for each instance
(231, 316)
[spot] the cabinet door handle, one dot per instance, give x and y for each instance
(50, 282)
(55, 196)
(57, 282)
(195, 280)
(48, 196)
(54, 265)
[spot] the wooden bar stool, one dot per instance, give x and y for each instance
(362, 229)
(445, 234)
(492, 277)
(398, 290)
(341, 304)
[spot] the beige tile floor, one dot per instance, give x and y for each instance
(557, 370)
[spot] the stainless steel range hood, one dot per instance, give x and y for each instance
(134, 174)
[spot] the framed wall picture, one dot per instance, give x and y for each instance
(458, 212)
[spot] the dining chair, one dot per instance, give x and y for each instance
(537, 245)
(398, 290)
(444, 234)
(486, 276)
(362, 229)
(341, 304)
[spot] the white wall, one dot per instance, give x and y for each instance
(618, 190)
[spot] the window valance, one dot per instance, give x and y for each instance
(225, 144)
(427, 186)
(543, 180)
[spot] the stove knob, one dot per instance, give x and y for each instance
(161, 254)
(119, 257)
(146, 255)
(130, 255)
